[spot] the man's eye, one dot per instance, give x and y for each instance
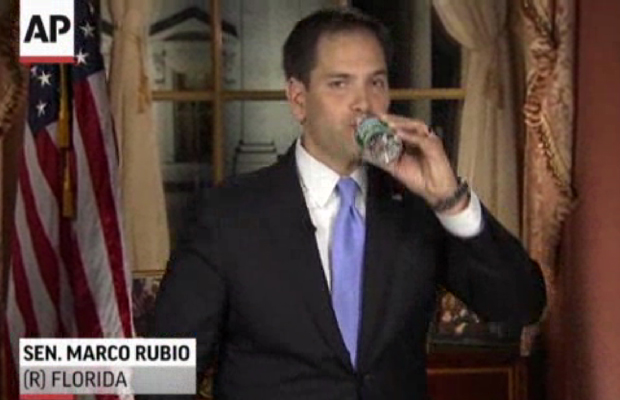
(337, 84)
(380, 83)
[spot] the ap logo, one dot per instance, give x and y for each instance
(46, 31)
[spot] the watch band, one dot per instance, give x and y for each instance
(449, 202)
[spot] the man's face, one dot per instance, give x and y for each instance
(348, 80)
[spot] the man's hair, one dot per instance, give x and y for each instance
(300, 49)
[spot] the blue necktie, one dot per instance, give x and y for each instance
(347, 261)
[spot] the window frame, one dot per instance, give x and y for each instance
(218, 96)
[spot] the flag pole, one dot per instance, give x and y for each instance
(64, 143)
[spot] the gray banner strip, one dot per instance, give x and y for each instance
(108, 380)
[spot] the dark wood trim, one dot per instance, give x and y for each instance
(278, 95)
(218, 101)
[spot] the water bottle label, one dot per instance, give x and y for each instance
(369, 128)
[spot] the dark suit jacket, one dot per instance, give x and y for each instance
(247, 282)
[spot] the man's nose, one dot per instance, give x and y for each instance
(361, 101)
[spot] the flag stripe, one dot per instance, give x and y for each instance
(48, 198)
(24, 298)
(47, 159)
(87, 324)
(98, 168)
(44, 257)
(42, 309)
(47, 175)
(102, 106)
(79, 295)
(89, 235)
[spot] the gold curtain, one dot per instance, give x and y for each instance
(487, 152)
(144, 205)
(548, 31)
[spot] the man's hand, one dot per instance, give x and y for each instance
(423, 167)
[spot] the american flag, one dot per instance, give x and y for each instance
(68, 274)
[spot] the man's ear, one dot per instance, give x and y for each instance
(296, 96)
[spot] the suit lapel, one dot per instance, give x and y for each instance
(295, 240)
(383, 231)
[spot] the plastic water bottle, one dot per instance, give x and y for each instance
(380, 144)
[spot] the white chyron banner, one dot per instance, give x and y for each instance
(107, 366)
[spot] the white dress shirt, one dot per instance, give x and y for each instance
(318, 182)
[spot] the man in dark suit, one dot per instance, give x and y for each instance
(315, 278)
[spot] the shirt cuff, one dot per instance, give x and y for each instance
(467, 223)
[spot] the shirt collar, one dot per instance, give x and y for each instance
(318, 180)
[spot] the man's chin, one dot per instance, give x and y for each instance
(356, 158)
(356, 154)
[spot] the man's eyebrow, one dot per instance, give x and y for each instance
(382, 72)
(337, 75)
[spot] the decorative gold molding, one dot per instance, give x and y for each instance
(541, 23)
(469, 370)
(14, 88)
(549, 119)
(545, 56)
